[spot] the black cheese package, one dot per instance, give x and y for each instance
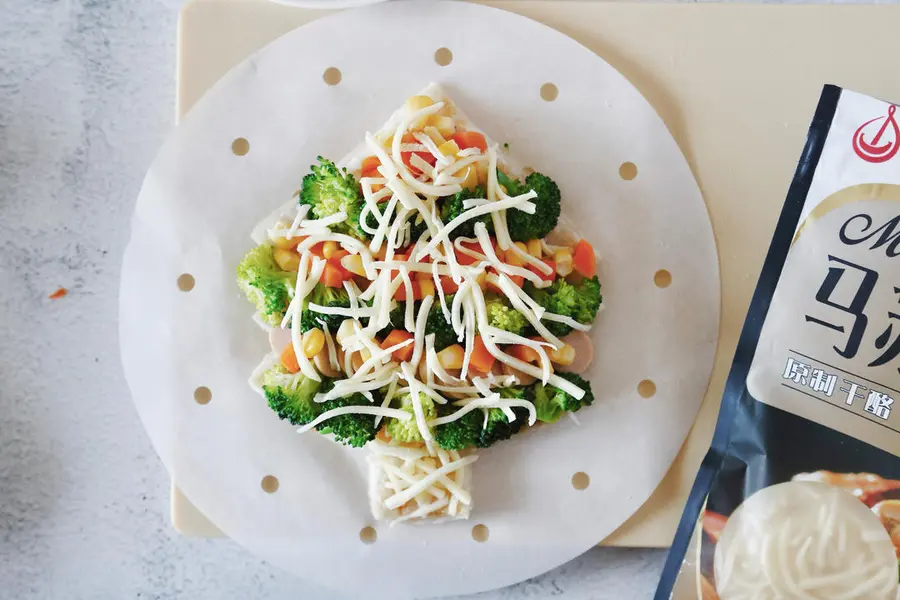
(799, 494)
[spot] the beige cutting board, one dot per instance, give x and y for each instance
(736, 85)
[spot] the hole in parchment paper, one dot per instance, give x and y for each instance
(332, 76)
(443, 56)
(549, 92)
(186, 282)
(269, 484)
(581, 480)
(628, 171)
(647, 389)
(202, 395)
(480, 533)
(368, 535)
(240, 146)
(662, 278)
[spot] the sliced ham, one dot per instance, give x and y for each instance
(584, 352)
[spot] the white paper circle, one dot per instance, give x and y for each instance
(200, 200)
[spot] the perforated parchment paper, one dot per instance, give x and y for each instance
(194, 215)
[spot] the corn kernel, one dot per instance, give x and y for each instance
(563, 258)
(313, 342)
(471, 179)
(445, 125)
(427, 287)
(345, 330)
(564, 356)
(329, 248)
(435, 135)
(415, 103)
(418, 103)
(482, 168)
(354, 264)
(534, 247)
(451, 357)
(287, 260)
(423, 276)
(481, 280)
(512, 258)
(286, 243)
(449, 148)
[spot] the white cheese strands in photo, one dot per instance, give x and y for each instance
(805, 541)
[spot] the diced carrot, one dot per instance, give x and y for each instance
(518, 280)
(370, 164)
(448, 285)
(463, 258)
(583, 259)
(481, 360)
(406, 156)
(316, 250)
(470, 139)
(333, 276)
(546, 277)
(289, 359)
(395, 337)
(336, 258)
(523, 353)
(400, 294)
(60, 293)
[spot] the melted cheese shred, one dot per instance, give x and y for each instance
(406, 483)
(805, 541)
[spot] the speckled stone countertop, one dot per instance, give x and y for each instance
(86, 98)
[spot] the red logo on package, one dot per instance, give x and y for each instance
(885, 142)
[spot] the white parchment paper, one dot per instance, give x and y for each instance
(194, 215)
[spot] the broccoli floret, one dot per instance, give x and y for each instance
(580, 302)
(499, 428)
(452, 206)
(353, 429)
(435, 323)
(408, 431)
(460, 434)
(265, 284)
(471, 431)
(551, 402)
(396, 320)
(329, 190)
(291, 396)
(523, 226)
(503, 316)
(324, 296)
(444, 335)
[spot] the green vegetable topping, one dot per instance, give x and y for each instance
(472, 431)
(328, 191)
(408, 431)
(580, 302)
(291, 396)
(523, 226)
(324, 296)
(503, 316)
(551, 402)
(265, 284)
(352, 429)
(452, 206)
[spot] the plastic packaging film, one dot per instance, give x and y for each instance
(189, 342)
(808, 411)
